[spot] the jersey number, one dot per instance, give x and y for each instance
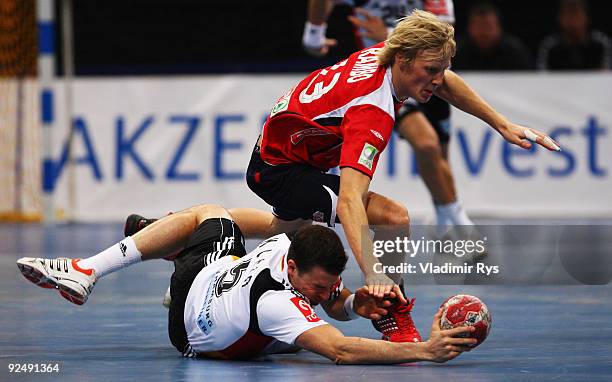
(230, 278)
(320, 88)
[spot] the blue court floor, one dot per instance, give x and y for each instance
(540, 333)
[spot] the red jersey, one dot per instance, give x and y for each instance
(342, 115)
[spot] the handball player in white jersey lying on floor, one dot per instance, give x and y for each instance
(232, 305)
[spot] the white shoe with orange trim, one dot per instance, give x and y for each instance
(73, 282)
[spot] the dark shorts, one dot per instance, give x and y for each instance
(295, 191)
(213, 239)
(437, 112)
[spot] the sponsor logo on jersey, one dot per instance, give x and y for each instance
(377, 135)
(368, 153)
(282, 104)
(305, 309)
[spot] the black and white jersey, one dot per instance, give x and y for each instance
(243, 307)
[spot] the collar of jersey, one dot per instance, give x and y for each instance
(280, 271)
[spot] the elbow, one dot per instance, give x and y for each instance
(344, 205)
(348, 199)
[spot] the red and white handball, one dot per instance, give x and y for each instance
(466, 310)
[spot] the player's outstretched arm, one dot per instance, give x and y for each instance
(457, 92)
(442, 346)
(352, 213)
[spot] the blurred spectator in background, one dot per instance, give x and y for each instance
(487, 47)
(575, 47)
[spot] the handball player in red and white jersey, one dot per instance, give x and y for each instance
(343, 116)
(426, 126)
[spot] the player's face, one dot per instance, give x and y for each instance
(420, 78)
(316, 284)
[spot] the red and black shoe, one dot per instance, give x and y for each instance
(397, 325)
(135, 223)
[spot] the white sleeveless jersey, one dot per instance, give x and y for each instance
(392, 10)
(239, 308)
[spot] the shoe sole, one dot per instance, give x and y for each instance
(39, 278)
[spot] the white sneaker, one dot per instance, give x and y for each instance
(73, 283)
(167, 299)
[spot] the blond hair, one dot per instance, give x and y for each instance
(421, 31)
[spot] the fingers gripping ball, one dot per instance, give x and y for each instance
(466, 310)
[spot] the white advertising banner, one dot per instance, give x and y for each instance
(153, 145)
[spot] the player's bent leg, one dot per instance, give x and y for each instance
(382, 210)
(201, 214)
(260, 224)
(209, 211)
(214, 238)
(75, 278)
(397, 325)
(434, 167)
(279, 225)
(431, 149)
(170, 233)
(135, 223)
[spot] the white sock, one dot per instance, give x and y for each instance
(450, 214)
(112, 259)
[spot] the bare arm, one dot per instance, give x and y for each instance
(319, 11)
(313, 39)
(443, 345)
(458, 93)
(352, 213)
(364, 305)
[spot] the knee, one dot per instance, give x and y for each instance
(429, 149)
(384, 211)
(209, 211)
(397, 214)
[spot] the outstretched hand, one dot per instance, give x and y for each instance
(444, 345)
(523, 136)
